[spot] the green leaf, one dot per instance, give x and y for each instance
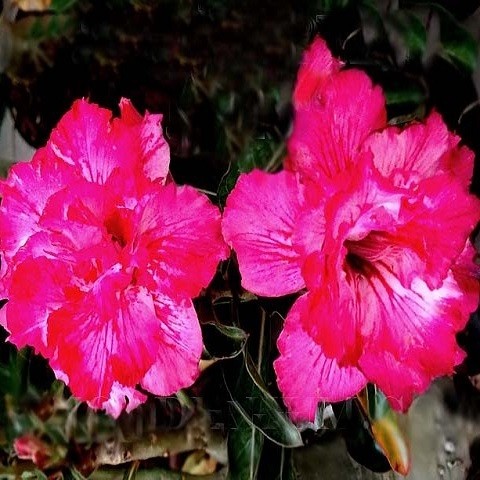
(14, 373)
(253, 401)
(326, 6)
(459, 46)
(358, 438)
(75, 474)
(411, 30)
(371, 21)
(223, 341)
(62, 5)
(245, 444)
(260, 153)
(277, 463)
(406, 93)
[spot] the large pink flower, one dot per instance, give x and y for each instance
(374, 222)
(101, 257)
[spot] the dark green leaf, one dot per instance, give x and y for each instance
(223, 341)
(227, 183)
(62, 5)
(326, 6)
(75, 474)
(14, 373)
(377, 403)
(245, 444)
(372, 22)
(358, 438)
(407, 93)
(411, 31)
(252, 399)
(277, 463)
(459, 47)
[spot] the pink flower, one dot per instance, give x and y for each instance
(101, 258)
(374, 222)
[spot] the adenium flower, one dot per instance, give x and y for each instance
(373, 221)
(101, 257)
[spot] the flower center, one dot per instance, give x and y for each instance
(356, 263)
(117, 229)
(362, 254)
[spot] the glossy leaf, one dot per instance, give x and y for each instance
(253, 401)
(245, 444)
(223, 341)
(411, 31)
(356, 432)
(458, 44)
(373, 28)
(405, 93)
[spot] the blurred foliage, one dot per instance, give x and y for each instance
(222, 72)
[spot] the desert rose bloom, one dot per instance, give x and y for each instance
(101, 257)
(373, 221)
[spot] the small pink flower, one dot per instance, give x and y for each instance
(29, 447)
(374, 222)
(101, 258)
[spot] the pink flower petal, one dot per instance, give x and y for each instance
(436, 248)
(326, 138)
(176, 365)
(36, 290)
(259, 223)
(155, 149)
(418, 152)
(88, 138)
(305, 374)
(412, 327)
(316, 67)
(20, 211)
(181, 233)
(120, 337)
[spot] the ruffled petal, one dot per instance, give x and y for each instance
(180, 231)
(20, 211)
(305, 375)
(432, 232)
(316, 67)
(110, 334)
(154, 148)
(36, 289)
(84, 139)
(88, 138)
(413, 327)
(327, 137)
(259, 222)
(176, 365)
(418, 152)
